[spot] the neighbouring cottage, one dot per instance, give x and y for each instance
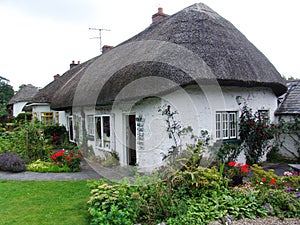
(195, 61)
(21, 98)
(289, 110)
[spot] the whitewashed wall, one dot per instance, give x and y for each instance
(196, 108)
(18, 108)
(39, 109)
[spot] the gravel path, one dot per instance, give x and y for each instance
(268, 221)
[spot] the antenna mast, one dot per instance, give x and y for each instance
(100, 36)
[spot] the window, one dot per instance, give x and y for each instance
(47, 118)
(264, 116)
(226, 125)
(71, 128)
(90, 125)
(102, 136)
(57, 117)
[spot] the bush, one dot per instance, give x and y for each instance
(68, 158)
(47, 167)
(10, 161)
(113, 204)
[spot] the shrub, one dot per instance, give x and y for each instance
(10, 161)
(69, 158)
(46, 167)
(255, 134)
(113, 204)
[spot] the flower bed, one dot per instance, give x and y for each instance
(61, 161)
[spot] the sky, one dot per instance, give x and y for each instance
(40, 38)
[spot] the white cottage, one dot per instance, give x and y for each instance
(195, 61)
(21, 98)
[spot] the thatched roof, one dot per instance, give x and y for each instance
(23, 95)
(290, 104)
(194, 45)
(46, 94)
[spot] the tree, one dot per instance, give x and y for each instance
(6, 93)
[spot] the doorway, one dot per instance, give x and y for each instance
(131, 139)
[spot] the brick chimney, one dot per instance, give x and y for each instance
(158, 16)
(74, 64)
(106, 48)
(56, 76)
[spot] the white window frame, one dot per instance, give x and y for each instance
(103, 143)
(226, 125)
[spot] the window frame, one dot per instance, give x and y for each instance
(101, 142)
(264, 115)
(47, 118)
(226, 125)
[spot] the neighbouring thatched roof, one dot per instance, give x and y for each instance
(192, 45)
(46, 94)
(290, 104)
(23, 95)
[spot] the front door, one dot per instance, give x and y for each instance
(131, 139)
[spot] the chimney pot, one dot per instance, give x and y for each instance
(106, 48)
(56, 76)
(73, 64)
(158, 16)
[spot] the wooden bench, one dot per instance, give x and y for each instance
(295, 167)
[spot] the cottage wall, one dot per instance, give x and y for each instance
(196, 108)
(37, 111)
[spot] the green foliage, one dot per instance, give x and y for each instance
(286, 203)
(34, 141)
(29, 141)
(6, 93)
(228, 152)
(261, 178)
(207, 208)
(23, 118)
(113, 204)
(47, 167)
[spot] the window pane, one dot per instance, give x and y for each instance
(106, 131)
(98, 121)
(71, 133)
(47, 117)
(232, 125)
(225, 124)
(218, 125)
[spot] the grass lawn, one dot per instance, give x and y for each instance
(43, 202)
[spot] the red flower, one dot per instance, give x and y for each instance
(231, 164)
(258, 130)
(264, 179)
(272, 181)
(244, 168)
(251, 123)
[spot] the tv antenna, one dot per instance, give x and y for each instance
(100, 36)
